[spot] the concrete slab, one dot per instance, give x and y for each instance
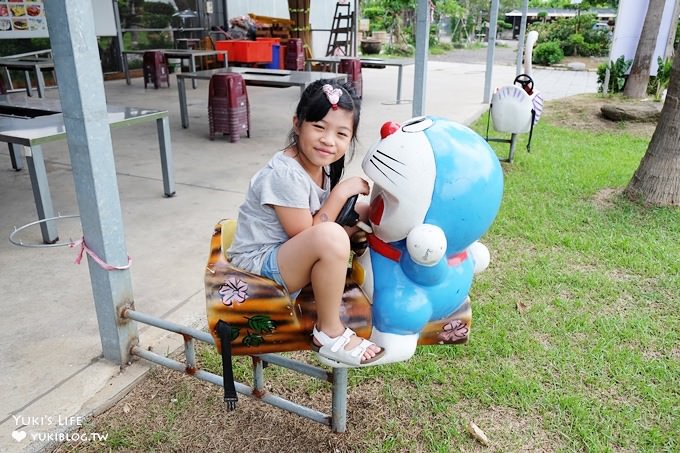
(49, 341)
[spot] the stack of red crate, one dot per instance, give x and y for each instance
(228, 106)
(155, 68)
(352, 67)
(295, 55)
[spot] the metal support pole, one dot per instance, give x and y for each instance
(119, 40)
(165, 145)
(41, 192)
(81, 89)
(15, 156)
(520, 39)
(513, 143)
(490, 49)
(339, 400)
(258, 375)
(422, 49)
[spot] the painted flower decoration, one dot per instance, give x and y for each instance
(453, 331)
(233, 290)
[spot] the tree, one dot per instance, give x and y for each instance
(657, 179)
(636, 85)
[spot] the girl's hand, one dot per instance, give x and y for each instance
(338, 196)
(351, 186)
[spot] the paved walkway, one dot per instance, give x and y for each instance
(49, 341)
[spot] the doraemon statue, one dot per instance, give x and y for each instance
(437, 187)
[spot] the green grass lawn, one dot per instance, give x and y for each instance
(575, 343)
(576, 322)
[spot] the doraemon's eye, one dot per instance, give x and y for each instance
(417, 124)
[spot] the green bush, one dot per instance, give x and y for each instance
(575, 35)
(617, 75)
(19, 46)
(548, 53)
(663, 76)
(376, 15)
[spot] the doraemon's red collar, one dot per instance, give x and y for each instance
(392, 253)
(385, 249)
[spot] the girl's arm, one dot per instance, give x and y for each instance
(295, 220)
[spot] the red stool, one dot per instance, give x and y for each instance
(352, 67)
(295, 55)
(228, 106)
(155, 69)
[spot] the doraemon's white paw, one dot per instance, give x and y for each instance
(426, 244)
(480, 256)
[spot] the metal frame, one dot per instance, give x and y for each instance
(337, 377)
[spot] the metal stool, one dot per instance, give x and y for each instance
(228, 106)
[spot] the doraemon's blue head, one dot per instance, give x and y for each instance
(432, 170)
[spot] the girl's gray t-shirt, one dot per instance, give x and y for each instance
(282, 182)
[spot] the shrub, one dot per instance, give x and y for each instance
(617, 75)
(587, 42)
(376, 15)
(663, 76)
(548, 53)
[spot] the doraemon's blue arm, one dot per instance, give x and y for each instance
(425, 261)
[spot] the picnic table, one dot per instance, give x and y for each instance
(28, 65)
(182, 54)
(369, 63)
(252, 76)
(31, 123)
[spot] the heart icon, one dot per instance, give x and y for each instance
(19, 435)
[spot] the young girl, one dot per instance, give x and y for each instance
(286, 229)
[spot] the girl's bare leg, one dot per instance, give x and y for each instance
(319, 255)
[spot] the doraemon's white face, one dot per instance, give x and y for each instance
(402, 167)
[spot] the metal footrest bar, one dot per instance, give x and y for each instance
(338, 377)
(512, 141)
(243, 389)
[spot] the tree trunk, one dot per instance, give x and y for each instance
(636, 85)
(674, 28)
(657, 179)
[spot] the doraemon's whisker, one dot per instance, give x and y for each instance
(380, 170)
(388, 156)
(386, 165)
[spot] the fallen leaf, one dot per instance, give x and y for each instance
(478, 434)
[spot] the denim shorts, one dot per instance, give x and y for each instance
(270, 269)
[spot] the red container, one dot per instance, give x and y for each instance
(352, 67)
(155, 69)
(242, 51)
(228, 106)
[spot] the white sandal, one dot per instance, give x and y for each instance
(334, 348)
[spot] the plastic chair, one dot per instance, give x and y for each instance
(228, 106)
(295, 55)
(207, 43)
(155, 69)
(352, 67)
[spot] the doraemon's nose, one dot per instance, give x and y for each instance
(388, 128)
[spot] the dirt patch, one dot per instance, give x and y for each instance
(605, 198)
(582, 112)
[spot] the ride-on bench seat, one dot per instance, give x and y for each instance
(264, 319)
